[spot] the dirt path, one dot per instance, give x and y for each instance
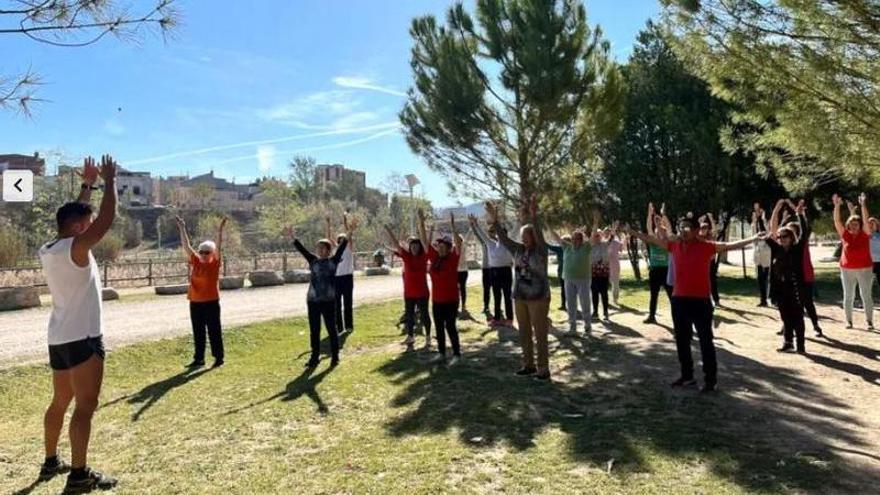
(822, 405)
(23, 333)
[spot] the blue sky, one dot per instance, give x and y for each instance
(243, 88)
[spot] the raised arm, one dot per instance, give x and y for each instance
(721, 247)
(220, 236)
(393, 238)
(83, 242)
(806, 228)
(477, 230)
(89, 176)
(508, 243)
(423, 234)
(340, 250)
(185, 243)
(647, 239)
(863, 202)
(649, 222)
(774, 217)
(328, 231)
(536, 223)
(838, 224)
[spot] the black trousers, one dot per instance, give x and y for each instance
(409, 315)
(344, 303)
(562, 292)
(599, 288)
(791, 310)
(327, 311)
(809, 303)
(462, 289)
(713, 279)
(445, 316)
(502, 285)
(763, 282)
(487, 288)
(689, 313)
(656, 281)
(206, 316)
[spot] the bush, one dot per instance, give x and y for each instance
(133, 234)
(209, 225)
(13, 248)
(110, 247)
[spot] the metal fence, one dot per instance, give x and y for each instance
(164, 271)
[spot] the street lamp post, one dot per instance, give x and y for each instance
(412, 181)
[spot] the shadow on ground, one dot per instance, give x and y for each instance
(767, 429)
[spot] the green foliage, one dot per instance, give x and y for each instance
(13, 247)
(669, 149)
(497, 99)
(208, 227)
(109, 249)
(802, 78)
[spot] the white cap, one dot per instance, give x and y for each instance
(207, 246)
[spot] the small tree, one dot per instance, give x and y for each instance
(209, 225)
(497, 103)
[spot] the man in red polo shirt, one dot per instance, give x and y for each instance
(692, 297)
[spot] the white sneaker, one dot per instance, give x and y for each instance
(455, 360)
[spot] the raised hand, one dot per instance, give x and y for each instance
(108, 168)
(757, 207)
(801, 207)
(491, 211)
(180, 222)
(472, 219)
(651, 209)
(353, 224)
(663, 208)
(863, 198)
(89, 174)
(835, 200)
(289, 232)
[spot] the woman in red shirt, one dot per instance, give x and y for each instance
(415, 285)
(856, 266)
(443, 257)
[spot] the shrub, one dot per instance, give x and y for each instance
(13, 248)
(110, 247)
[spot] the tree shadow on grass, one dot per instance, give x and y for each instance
(148, 396)
(772, 429)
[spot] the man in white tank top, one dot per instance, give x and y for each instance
(76, 350)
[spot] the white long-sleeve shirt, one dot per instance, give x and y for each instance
(499, 256)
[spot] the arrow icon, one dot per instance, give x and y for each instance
(17, 185)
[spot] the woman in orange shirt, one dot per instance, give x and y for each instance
(204, 294)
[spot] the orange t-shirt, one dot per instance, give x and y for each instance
(205, 279)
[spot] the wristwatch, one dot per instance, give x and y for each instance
(91, 188)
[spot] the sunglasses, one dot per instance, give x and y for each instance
(205, 252)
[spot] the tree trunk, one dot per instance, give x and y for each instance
(632, 249)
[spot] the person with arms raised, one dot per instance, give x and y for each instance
(321, 297)
(204, 294)
(658, 263)
(75, 334)
(856, 267)
(531, 289)
(692, 297)
(443, 259)
(415, 285)
(344, 276)
(499, 261)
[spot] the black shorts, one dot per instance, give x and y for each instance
(66, 356)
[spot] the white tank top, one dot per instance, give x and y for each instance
(76, 294)
(346, 264)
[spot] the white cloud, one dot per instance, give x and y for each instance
(244, 144)
(356, 82)
(266, 157)
(114, 127)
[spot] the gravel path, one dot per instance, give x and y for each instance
(23, 333)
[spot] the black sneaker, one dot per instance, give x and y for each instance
(818, 332)
(683, 382)
(312, 363)
(334, 362)
(787, 347)
(650, 321)
(543, 376)
(91, 481)
(196, 363)
(49, 470)
(762, 304)
(526, 371)
(849, 325)
(708, 388)
(218, 363)
(801, 350)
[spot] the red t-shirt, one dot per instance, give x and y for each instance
(204, 279)
(444, 276)
(692, 260)
(856, 251)
(809, 274)
(415, 275)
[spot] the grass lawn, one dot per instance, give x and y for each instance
(386, 421)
